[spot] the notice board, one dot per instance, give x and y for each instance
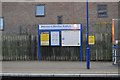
(44, 38)
(1, 23)
(71, 38)
(91, 40)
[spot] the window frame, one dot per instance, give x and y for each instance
(60, 18)
(36, 10)
(104, 11)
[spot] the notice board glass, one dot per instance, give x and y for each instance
(55, 38)
(71, 38)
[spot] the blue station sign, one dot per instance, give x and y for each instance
(59, 26)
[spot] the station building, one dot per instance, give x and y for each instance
(22, 18)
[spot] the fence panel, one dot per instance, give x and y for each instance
(24, 47)
(19, 47)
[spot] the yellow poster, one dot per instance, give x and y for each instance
(91, 40)
(44, 38)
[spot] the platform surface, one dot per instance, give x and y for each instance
(57, 67)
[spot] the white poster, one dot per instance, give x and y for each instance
(71, 38)
(55, 38)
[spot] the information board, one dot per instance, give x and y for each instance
(55, 38)
(60, 35)
(91, 40)
(44, 38)
(1, 23)
(71, 38)
(60, 26)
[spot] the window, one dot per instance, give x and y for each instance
(59, 18)
(40, 10)
(1, 23)
(102, 11)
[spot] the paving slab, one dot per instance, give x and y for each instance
(58, 67)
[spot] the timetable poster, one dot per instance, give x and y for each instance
(55, 38)
(44, 38)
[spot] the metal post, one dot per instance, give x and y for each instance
(114, 57)
(88, 58)
(81, 43)
(87, 33)
(38, 44)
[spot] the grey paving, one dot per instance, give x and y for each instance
(58, 67)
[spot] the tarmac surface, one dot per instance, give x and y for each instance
(57, 67)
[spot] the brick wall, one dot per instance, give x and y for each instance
(21, 16)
